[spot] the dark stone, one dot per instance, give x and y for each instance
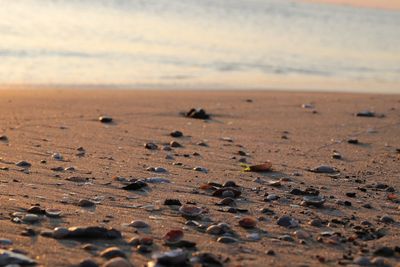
(105, 119)
(176, 134)
(170, 202)
(88, 263)
(384, 252)
(352, 141)
(351, 194)
(93, 232)
(197, 113)
(220, 192)
(365, 113)
(135, 185)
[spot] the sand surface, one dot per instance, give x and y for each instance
(272, 127)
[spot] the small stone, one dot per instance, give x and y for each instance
(176, 134)
(23, 164)
(362, 261)
(177, 257)
(105, 119)
(89, 247)
(226, 240)
(351, 194)
(301, 234)
(9, 258)
(86, 203)
(200, 169)
(206, 259)
(172, 202)
(270, 252)
(287, 238)
(3, 138)
(228, 194)
(36, 210)
(93, 232)
(315, 222)
(387, 219)
(227, 201)
(117, 262)
(135, 185)
(254, 237)
(175, 144)
(190, 211)
(323, 169)
(336, 155)
(214, 230)
(229, 184)
(57, 156)
(151, 146)
(60, 232)
(88, 263)
(271, 197)
(365, 113)
(5, 242)
(384, 252)
(316, 201)
(139, 224)
(173, 236)
(247, 223)
(380, 261)
(353, 141)
(112, 252)
(197, 113)
(157, 180)
(287, 221)
(30, 218)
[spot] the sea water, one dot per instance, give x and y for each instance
(224, 44)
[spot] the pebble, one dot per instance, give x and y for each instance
(23, 164)
(380, 261)
(287, 238)
(60, 232)
(226, 239)
(247, 223)
(315, 222)
(36, 210)
(105, 119)
(220, 192)
(172, 202)
(387, 219)
(287, 221)
(362, 261)
(117, 262)
(30, 218)
(301, 234)
(176, 134)
(177, 257)
(5, 242)
(159, 169)
(150, 146)
(227, 201)
(86, 203)
(365, 113)
(197, 113)
(316, 201)
(323, 169)
(135, 185)
(57, 156)
(190, 211)
(206, 259)
(10, 258)
(175, 144)
(336, 155)
(214, 230)
(139, 224)
(112, 252)
(157, 180)
(254, 237)
(173, 236)
(384, 252)
(90, 232)
(88, 263)
(200, 169)
(352, 141)
(3, 138)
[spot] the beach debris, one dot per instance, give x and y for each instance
(197, 113)
(23, 164)
(176, 134)
(263, 167)
(105, 119)
(10, 258)
(136, 185)
(190, 211)
(365, 113)
(150, 146)
(323, 169)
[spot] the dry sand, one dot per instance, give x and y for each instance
(273, 127)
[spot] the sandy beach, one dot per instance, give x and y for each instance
(325, 201)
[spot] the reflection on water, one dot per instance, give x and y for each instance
(201, 44)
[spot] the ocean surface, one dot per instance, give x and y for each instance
(225, 44)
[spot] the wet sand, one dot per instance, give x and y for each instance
(264, 126)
